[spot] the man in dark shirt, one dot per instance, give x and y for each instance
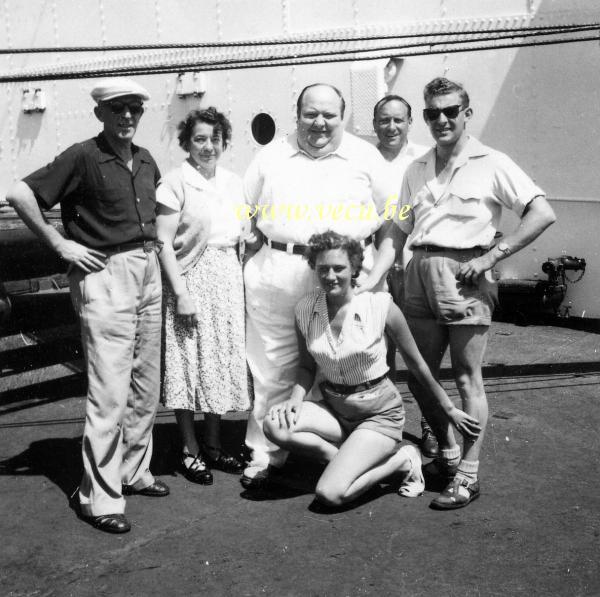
(105, 187)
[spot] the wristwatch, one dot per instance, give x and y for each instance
(504, 248)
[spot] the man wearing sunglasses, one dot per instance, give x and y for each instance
(106, 189)
(456, 193)
(392, 120)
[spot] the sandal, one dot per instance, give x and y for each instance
(458, 494)
(223, 462)
(196, 471)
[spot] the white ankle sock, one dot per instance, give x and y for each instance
(450, 455)
(468, 469)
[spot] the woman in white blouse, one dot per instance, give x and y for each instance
(357, 429)
(204, 358)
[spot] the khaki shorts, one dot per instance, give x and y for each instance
(379, 408)
(431, 290)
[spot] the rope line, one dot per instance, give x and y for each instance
(298, 59)
(299, 40)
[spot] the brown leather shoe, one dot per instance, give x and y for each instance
(157, 489)
(109, 523)
(429, 445)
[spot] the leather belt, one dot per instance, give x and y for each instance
(294, 249)
(147, 245)
(361, 387)
(291, 248)
(437, 249)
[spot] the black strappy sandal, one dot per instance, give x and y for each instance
(197, 471)
(223, 462)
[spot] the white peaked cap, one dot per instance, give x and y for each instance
(107, 89)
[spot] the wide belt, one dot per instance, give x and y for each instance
(295, 249)
(361, 387)
(438, 249)
(147, 245)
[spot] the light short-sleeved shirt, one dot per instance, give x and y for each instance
(293, 195)
(461, 209)
(359, 353)
(397, 167)
(207, 210)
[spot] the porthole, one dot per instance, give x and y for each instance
(263, 128)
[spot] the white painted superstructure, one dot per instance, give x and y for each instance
(538, 104)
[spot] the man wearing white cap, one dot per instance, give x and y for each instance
(105, 187)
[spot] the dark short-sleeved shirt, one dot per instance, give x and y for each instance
(103, 203)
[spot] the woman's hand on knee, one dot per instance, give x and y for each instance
(286, 414)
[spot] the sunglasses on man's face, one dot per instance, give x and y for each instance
(449, 112)
(118, 107)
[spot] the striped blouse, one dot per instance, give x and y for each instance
(358, 355)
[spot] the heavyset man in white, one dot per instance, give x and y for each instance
(456, 193)
(318, 178)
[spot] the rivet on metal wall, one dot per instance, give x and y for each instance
(57, 126)
(54, 23)
(6, 19)
(157, 19)
(102, 22)
(285, 16)
(219, 21)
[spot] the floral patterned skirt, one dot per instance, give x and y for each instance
(205, 365)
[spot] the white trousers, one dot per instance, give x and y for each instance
(275, 281)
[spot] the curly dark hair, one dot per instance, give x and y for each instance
(442, 86)
(209, 115)
(328, 241)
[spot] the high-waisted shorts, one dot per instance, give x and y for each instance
(431, 290)
(379, 408)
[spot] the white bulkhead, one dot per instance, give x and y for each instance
(538, 103)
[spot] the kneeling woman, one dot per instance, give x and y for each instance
(357, 429)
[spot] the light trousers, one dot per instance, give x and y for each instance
(119, 309)
(275, 281)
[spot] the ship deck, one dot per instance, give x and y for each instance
(535, 530)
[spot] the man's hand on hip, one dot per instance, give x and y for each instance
(89, 260)
(470, 271)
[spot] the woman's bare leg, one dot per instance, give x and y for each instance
(316, 434)
(363, 460)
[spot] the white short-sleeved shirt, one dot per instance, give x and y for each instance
(207, 209)
(359, 353)
(462, 208)
(294, 195)
(396, 168)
